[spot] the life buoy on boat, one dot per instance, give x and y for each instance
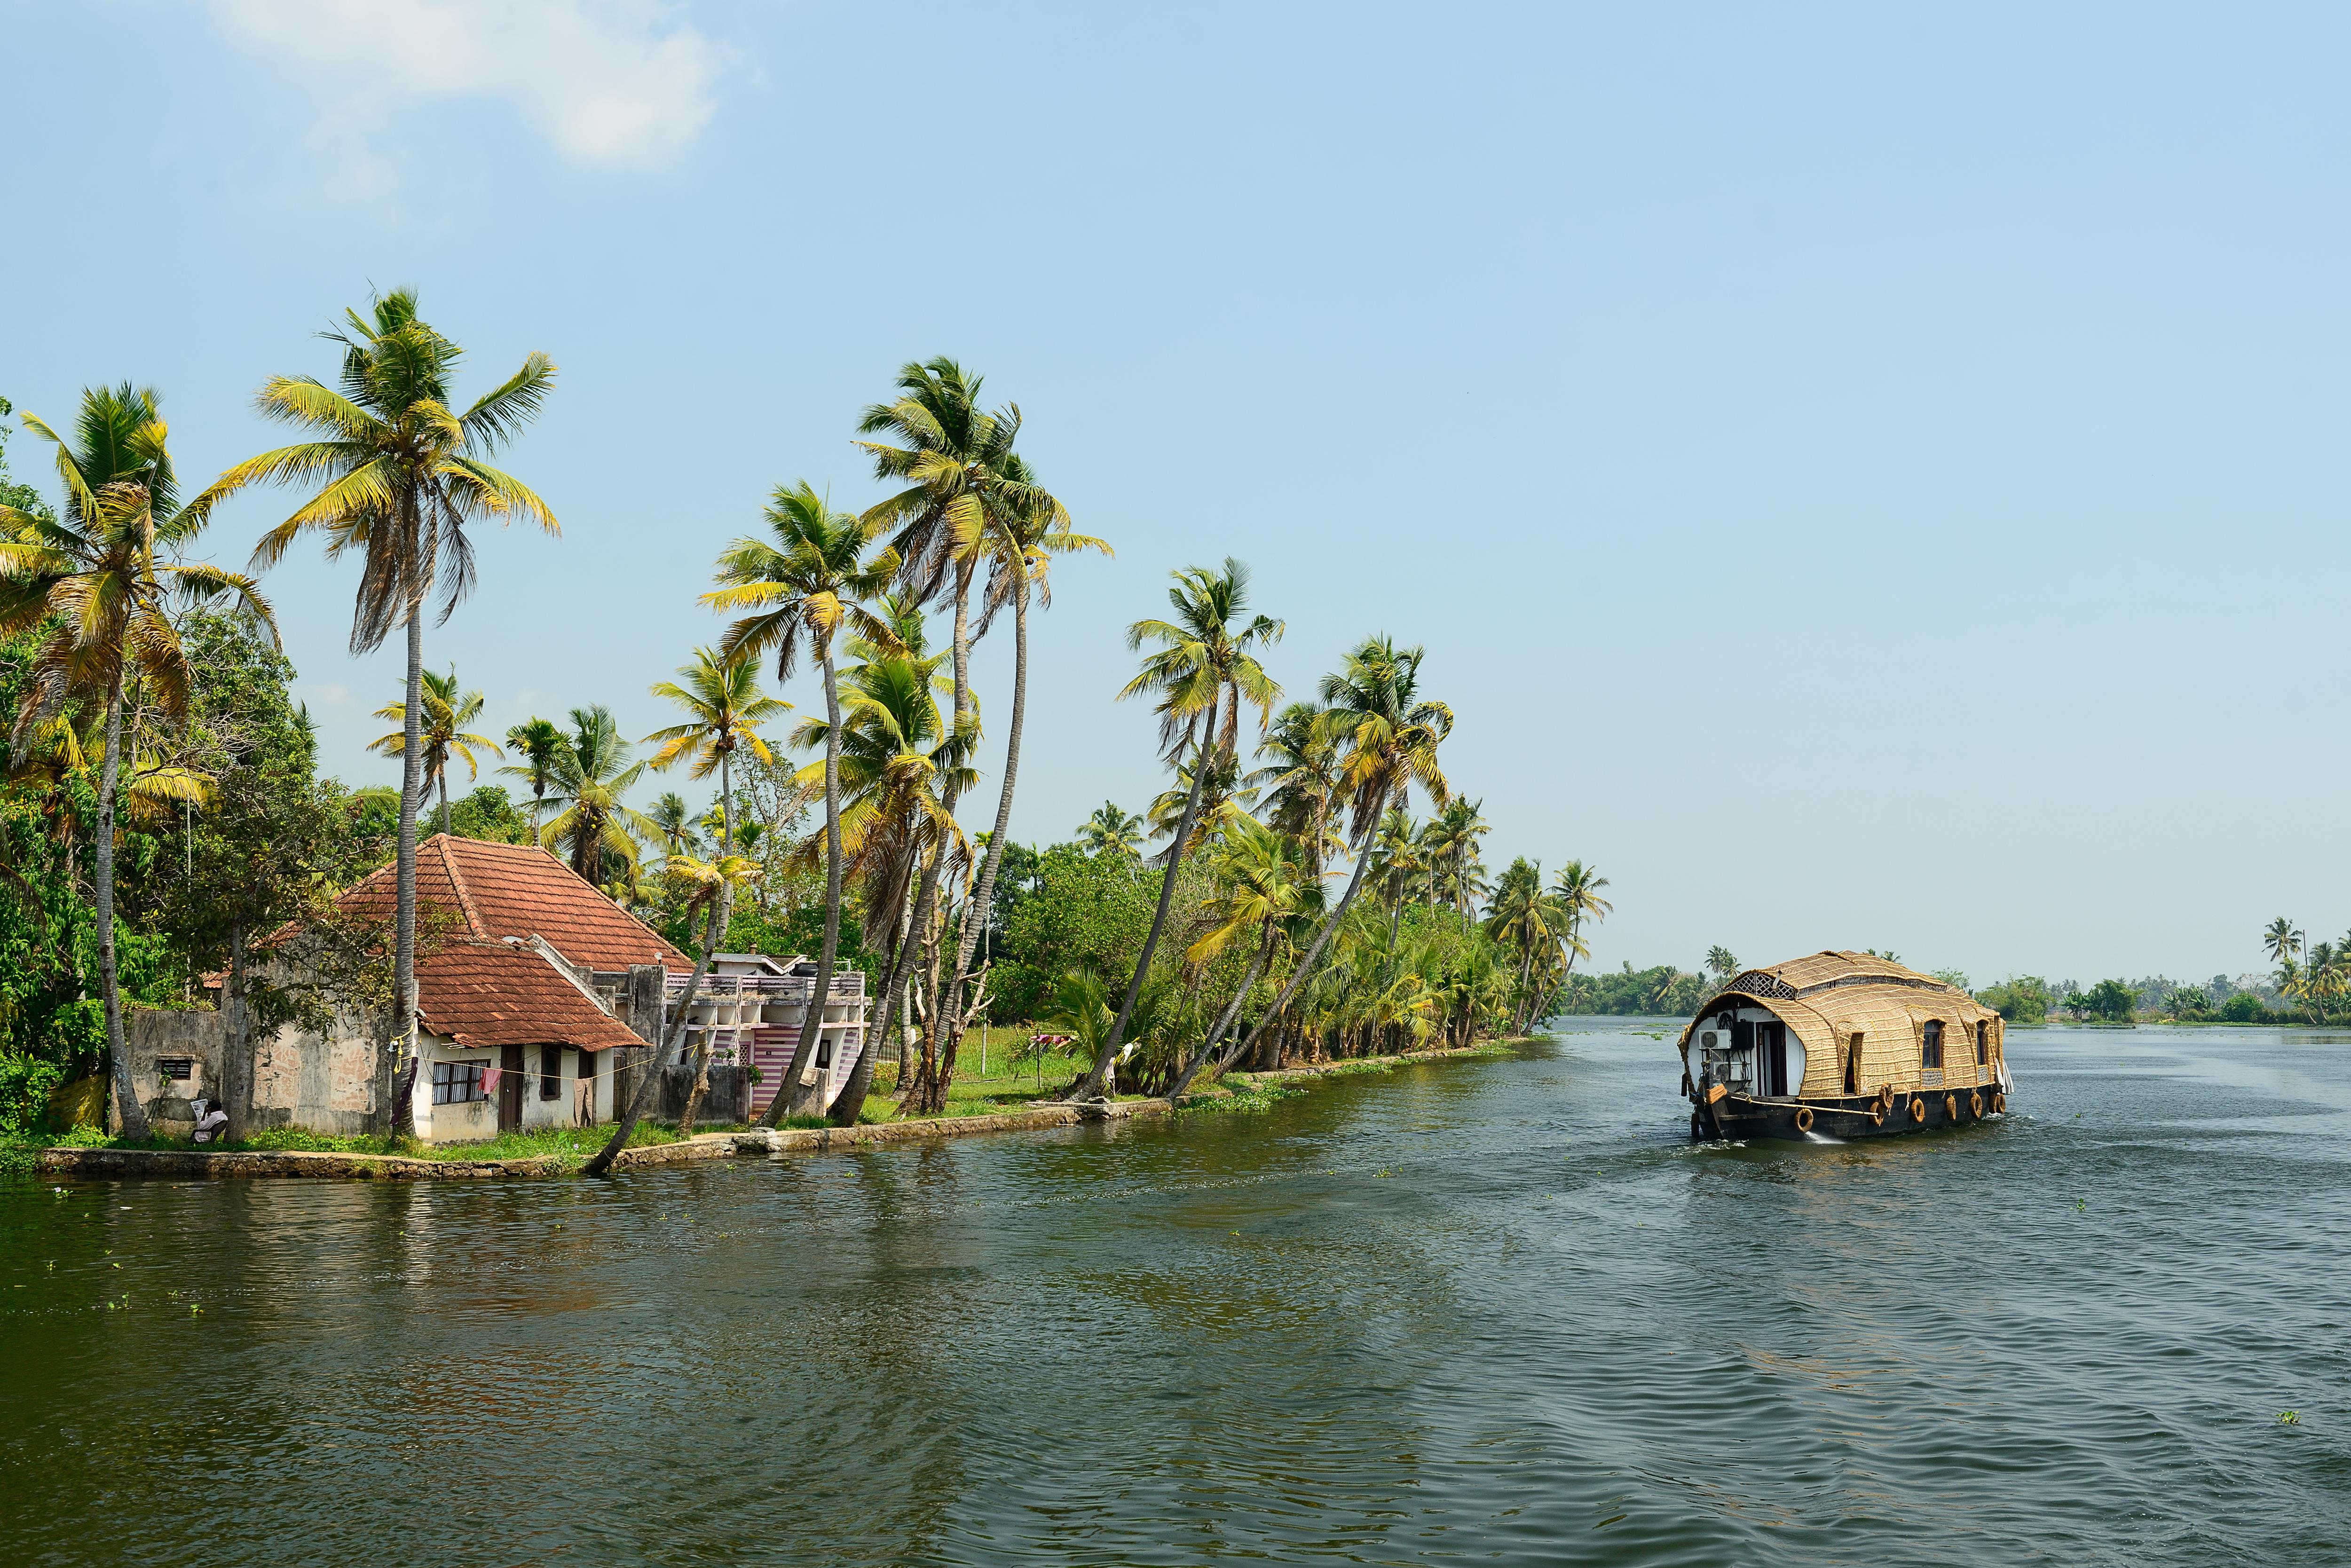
(1877, 1116)
(1999, 1103)
(1917, 1107)
(1886, 1096)
(1975, 1106)
(1951, 1107)
(1803, 1118)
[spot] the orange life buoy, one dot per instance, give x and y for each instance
(1918, 1108)
(1975, 1105)
(1877, 1116)
(2000, 1101)
(1885, 1095)
(1803, 1118)
(1951, 1107)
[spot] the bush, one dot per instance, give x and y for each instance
(2243, 1008)
(2020, 999)
(26, 1084)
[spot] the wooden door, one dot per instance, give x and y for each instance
(510, 1088)
(1773, 1037)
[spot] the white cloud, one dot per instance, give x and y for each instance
(625, 82)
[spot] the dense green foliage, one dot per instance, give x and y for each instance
(1663, 991)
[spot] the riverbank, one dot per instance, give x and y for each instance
(103, 1162)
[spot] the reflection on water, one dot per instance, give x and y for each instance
(1492, 1310)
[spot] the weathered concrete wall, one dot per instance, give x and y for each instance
(324, 1083)
(728, 1101)
(153, 1035)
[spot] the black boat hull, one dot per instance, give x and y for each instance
(1847, 1116)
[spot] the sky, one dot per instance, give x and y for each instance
(1864, 475)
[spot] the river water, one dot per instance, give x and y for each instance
(1490, 1310)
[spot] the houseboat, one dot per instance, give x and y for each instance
(1840, 1045)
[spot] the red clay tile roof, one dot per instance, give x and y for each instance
(495, 891)
(503, 993)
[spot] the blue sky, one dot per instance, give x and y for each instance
(1864, 475)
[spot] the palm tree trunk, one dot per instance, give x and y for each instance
(117, 1052)
(1224, 1021)
(403, 949)
(820, 992)
(717, 933)
(978, 906)
(929, 1091)
(237, 1058)
(641, 1096)
(443, 783)
(1091, 1088)
(1306, 961)
(902, 971)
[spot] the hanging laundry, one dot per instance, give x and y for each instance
(490, 1076)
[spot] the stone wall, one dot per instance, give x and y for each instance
(153, 1037)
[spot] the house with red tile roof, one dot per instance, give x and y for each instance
(531, 985)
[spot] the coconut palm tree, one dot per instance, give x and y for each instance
(1300, 780)
(1261, 879)
(1722, 964)
(2281, 940)
(1520, 916)
(897, 759)
(673, 820)
(1387, 734)
(98, 578)
(1575, 894)
(725, 708)
(1113, 831)
(1451, 849)
(537, 744)
(1024, 530)
(441, 730)
(810, 577)
(1397, 862)
(592, 773)
(401, 476)
(1206, 661)
(963, 481)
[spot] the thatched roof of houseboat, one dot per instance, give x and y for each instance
(1826, 998)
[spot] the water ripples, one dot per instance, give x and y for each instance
(1496, 1309)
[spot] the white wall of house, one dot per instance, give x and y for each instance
(476, 1121)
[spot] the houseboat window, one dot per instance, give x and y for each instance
(1983, 1045)
(1930, 1054)
(1853, 1066)
(550, 1072)
(457, 1082)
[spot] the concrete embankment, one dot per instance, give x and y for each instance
(199, 1164)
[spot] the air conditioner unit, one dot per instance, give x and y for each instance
(1714, 1039)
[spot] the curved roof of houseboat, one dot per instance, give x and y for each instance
(1826, 998)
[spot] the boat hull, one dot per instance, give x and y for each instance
(1846, 1116)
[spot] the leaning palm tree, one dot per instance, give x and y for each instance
(441, 730)
(536, 743)
(725, 708)
(1205, 663)
(400, 475)
(708, 885)
(592, 773)
(98, 580)
(1388, 735)
(810, 577)
(673, 820)
(1262, 880)
(1113, 831)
